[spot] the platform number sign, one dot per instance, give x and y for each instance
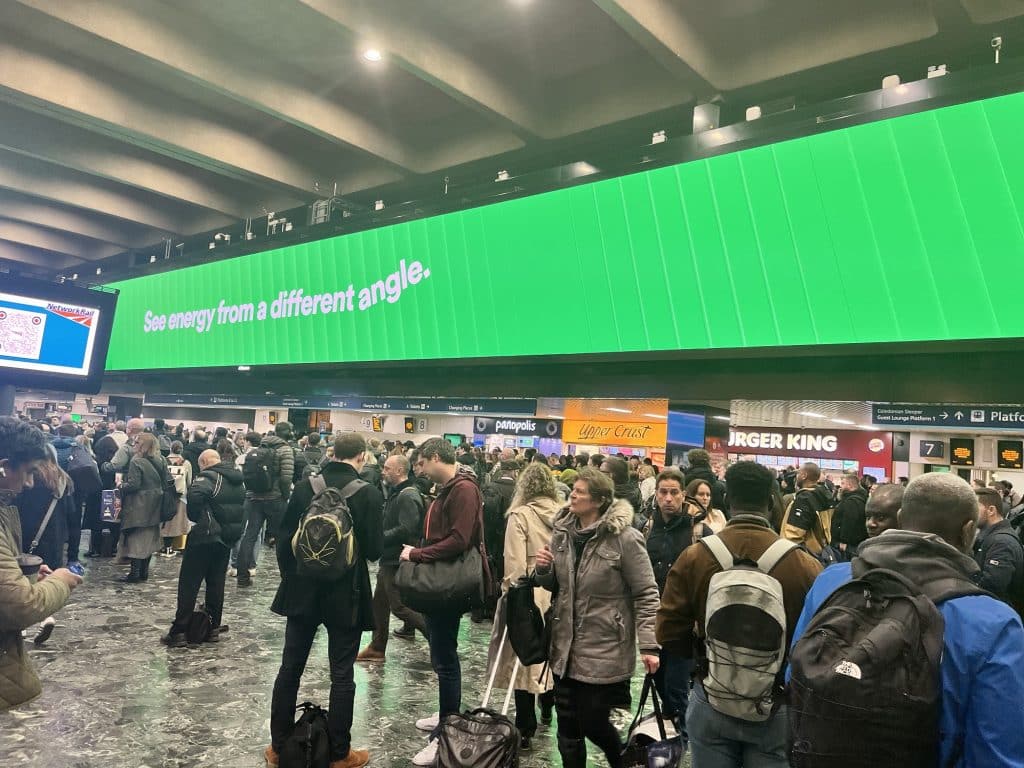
(933, 449)
(1011, 454)
(961, 452)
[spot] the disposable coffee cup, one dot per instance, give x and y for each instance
(30, 564)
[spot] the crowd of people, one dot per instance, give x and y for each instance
(714, 579)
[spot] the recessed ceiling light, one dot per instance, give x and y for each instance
(372, 54)
(244, 368)
(618, 410)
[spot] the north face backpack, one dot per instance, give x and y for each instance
(866, 687)
(260, 469)
(325, 544)
(745, 632)
(308, 745)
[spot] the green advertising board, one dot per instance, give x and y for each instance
(908, 229)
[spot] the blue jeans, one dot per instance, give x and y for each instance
(443, 629)
(720, 741)
(238, 545)
(673, 683)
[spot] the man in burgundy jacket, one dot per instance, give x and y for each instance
(452, 526)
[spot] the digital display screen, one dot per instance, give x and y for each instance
(1011, 454)
(454, 439)
(744, 236)
(53, 335)
(961, 451)
(932, 449)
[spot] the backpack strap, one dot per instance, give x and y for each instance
(318, 483)
(352, 488)
(42, 525)
(721, 552)
(773, 555)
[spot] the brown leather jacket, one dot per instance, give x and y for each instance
(684, 601)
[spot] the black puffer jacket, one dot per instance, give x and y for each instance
(666, 541)
(849, 522)
(215, 504)
(403, 521)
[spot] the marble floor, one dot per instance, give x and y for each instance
(113, 697)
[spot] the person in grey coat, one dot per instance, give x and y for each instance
(606, 600)
(142, 494)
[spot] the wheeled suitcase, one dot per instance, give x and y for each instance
(481, 738)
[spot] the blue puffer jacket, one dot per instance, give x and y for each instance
(983, 657)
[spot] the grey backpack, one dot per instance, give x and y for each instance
(745, 628)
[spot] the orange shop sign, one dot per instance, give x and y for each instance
(638, 434)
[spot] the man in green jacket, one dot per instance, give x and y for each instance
(24, 600)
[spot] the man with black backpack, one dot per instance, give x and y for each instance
(743, 590)
(339, 598)
(935, 686)
(808, 519)
(215, 505)
(497, 495)
(267, 470)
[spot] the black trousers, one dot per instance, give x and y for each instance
(526, 710)
(584, 712)
(201, 562)
(342, 647)
(388, 600)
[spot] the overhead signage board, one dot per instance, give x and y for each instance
(519, 426)
(502, 406)
(961, 452)
(738, 225)
(868, 448)
(948, 416)
(1010, 454)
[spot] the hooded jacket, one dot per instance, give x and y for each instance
(605, 606)
(23, 602)
(453, 521)
(808, 520)
(982, 666)
(215, 504)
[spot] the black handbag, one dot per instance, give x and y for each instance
(447, 585)
(526, 625)
(653, 741)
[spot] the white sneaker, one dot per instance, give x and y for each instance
(232, 573)
(426, 756)
(252, 572)
(428, 723)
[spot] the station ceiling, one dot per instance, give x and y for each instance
(126, 121)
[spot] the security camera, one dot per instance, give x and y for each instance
(997, 42)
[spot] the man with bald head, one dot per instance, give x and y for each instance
(215, 504)
(121, 459)
(403, 522)
(982, 667)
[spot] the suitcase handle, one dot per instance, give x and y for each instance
(494, 674)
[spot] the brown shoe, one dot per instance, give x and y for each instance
(271, 757)
(369, 653)
(356, 759)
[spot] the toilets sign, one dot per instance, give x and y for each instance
(793, 442)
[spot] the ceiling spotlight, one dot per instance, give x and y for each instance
(502, 176)
(937, 70)
(372, 54)
(890, 81)
(99, 270)
(378, 205)
(658, 137)
(244, 368)
(152, 259)
(74, 276)
(753, 113)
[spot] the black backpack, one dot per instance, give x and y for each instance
(528, 634)
(300, 467)
(199, 626)
(866, 687)
(324, 544)
(260, 470)
(83, 470)
(171, 497)
(309, 743)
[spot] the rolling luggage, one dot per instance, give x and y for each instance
(481, 738)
